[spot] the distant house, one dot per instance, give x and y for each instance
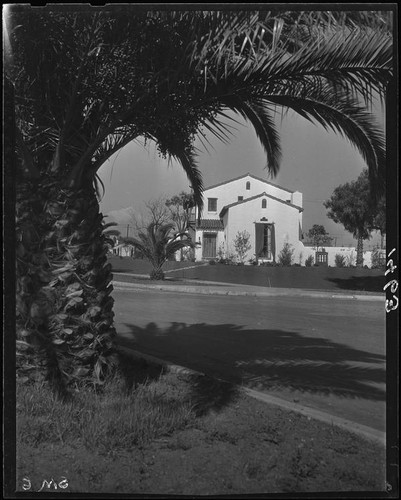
(271, 214)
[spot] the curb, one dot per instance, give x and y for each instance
(347, 425)
(211, 290)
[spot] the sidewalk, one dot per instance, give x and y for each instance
(217, 288)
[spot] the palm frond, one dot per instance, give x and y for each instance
(189, 164)
(158, 243)
(199, 64)
(361, 62)
(343, 115)
(106, 226)
(185, 155)
(222, 131)
(258, 114)
(173, 246)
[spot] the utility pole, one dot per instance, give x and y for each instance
(127, 229)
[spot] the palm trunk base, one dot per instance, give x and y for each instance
(65, 332)
(157, 275)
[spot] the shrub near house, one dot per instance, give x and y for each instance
(340, 260)
(242, 245)
(309, 261)
(285, 257)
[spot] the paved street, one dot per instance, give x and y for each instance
(325, 353)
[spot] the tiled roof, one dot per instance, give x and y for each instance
(210, 224)
(252, 177)
(224, 209)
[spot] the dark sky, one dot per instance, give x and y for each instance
(314, 162)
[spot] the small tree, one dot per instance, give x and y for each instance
(179, 209)
(286, 255)
(158, 244)
(242, 245)
(352, 206)
(319, 236)
(155, 212)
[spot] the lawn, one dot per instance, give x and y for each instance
(150, 432)
(312, 278)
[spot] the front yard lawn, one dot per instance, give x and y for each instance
(312, 278)
(143, 266)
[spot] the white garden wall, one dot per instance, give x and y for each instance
(348, 252)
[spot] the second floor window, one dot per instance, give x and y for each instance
(264, 203)
(212, 204)
(248, 185)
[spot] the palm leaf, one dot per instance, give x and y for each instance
(185, 155)
(361, 62)
(257, 113)
(342, 115)
(157, 244)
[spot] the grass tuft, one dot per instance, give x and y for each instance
(110, 421)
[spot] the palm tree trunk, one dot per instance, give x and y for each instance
(36, 302)
(86, 287)
(359, 251)
(64, 307)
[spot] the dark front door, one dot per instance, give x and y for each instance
(264, 234)
(209, 245)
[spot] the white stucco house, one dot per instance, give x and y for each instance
(271, 214)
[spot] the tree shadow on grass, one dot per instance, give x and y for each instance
(208, 394)
(265, 359)
(361, 283)
(138, 372)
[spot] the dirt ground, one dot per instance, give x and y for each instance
(242, 448)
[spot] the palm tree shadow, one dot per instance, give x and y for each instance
(138, 372)
(209, 394)
(264, 359)
(206, 393)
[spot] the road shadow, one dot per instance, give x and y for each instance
(265, 359)
(360, 283)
